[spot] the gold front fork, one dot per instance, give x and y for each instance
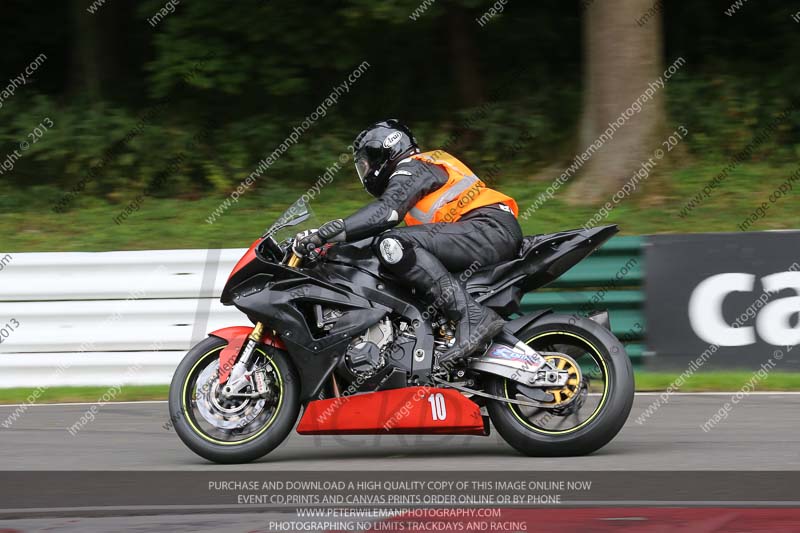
(258, 330)
(294, 261)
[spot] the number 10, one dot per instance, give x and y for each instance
(438, 407)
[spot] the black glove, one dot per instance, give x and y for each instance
(307, 241)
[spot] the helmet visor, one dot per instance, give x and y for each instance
(362, 168)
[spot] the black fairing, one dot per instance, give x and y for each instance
(253, 276)
(350, 279)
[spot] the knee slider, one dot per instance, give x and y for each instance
(394, 252)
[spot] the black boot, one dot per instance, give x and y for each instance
(477, 325)
(436, 286)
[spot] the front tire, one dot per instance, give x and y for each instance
(614, 397)
(194, 406)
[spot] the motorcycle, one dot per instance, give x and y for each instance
(338, 337)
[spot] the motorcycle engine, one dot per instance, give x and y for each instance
(365, 355)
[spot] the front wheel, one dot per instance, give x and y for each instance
(238, 429)
(583, 415)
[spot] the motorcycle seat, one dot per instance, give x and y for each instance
(532, 245)
(541, 259)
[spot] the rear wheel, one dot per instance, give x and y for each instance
(232, 430)
(581, 416)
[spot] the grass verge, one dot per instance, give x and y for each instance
(84, 394)
(645, 382)
(163, 223)
(718, 381)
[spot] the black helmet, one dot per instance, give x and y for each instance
(377, 150)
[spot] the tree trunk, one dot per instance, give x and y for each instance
(85, 72)
(93, 53)
(622, 59)
(464, 55)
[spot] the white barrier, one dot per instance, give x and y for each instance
(109, 317)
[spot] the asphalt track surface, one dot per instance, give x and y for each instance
(761, 432)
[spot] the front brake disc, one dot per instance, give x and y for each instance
(234, 413)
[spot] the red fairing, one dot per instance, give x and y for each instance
(237, 337)
(250, 255)
(413, 410)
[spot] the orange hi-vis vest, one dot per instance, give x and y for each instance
(462, 193)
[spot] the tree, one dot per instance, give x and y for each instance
(464, 56)
(86, 71)
(622, 58)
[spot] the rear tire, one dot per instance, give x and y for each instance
(599, 428)
(187, 424)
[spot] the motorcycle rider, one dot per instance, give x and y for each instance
(452, 219)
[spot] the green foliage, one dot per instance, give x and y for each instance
(726, 113)
(223, 85)
(113, 149)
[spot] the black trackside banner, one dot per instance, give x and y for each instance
(724, 300)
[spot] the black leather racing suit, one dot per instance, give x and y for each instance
(488, 234)
(425, 255)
